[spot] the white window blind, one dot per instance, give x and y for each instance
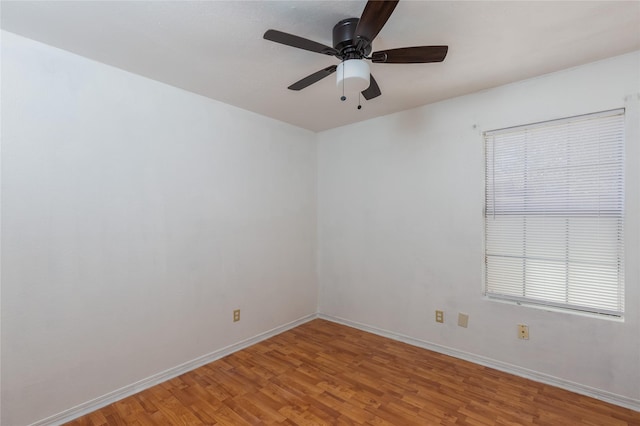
(554, 213)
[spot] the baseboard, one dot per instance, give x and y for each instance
(612, 398)
(111, 397)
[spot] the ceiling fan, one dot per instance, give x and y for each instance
(352, 39)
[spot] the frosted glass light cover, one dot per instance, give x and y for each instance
(354, 73)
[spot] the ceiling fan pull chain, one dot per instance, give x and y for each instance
(343, 97)
(359, 101)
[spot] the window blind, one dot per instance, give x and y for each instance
(554, 213)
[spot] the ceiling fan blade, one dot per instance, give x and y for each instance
(411, 55)
(313, 78)
(374, 16)
(299, 42)
(373, 91)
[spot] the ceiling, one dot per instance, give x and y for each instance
(216, 49)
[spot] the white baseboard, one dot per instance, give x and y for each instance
(623, 401)
(111, 397)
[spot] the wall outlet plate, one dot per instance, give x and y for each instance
(440, 316)
(236, 315)
(463, 320)
(523, 332)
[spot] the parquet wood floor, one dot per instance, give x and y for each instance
(322, 373)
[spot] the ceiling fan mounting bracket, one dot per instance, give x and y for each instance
(346, 42)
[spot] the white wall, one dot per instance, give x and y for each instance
(400, 229)
(135, 218)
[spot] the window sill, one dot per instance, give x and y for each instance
(546, 308)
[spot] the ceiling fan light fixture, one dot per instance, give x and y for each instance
(353, 74)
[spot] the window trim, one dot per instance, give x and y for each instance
(540, 303)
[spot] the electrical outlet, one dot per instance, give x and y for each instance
(236, 315)
(523, 331)
(463, 320)
(439, 316)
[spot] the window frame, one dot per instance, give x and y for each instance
(621, 251)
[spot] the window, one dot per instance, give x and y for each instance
(554, 213)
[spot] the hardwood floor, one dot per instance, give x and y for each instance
(323, 373)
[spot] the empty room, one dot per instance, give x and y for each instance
(320, 212)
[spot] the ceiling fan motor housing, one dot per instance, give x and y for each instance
(343, 40)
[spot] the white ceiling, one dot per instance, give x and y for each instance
(215, 48)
